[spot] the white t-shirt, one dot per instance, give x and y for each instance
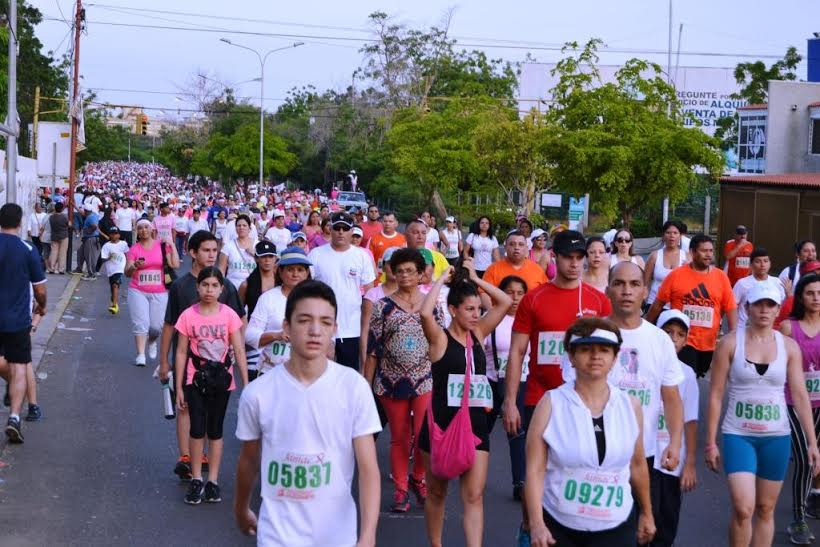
(279, 237)
(114, 256)
(741, 289)
(784, 275)
(307, 460)
(94, 202)
(240, 262)
(503, 336)
(231, 235)
(482, 250)
(345, 272)
(689, 394)
(684, 243)
(268, 316)
(180, 224)
(37, 221)
(452, 243)
(125, 217)
(646, 363)
(195, 226)
(433, 239)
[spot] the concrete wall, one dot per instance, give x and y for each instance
(787, 134)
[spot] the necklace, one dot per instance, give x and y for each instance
(411, 303)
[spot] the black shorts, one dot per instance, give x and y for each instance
(207, 414)
(699, 360)
(625, 533)
(115, 279)
(15, 347)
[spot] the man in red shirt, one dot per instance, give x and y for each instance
(543, 316)
(371, 226)
(736, 253)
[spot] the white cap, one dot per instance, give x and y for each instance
(358, 231)
(278, 213)
(763, 291)
(668, 315)
(450, 219)
(538, 232)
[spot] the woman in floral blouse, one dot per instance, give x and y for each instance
(403, 382)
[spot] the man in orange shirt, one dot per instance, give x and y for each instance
(515, 262)
(704, 294)
(736, 253)
(387, 237)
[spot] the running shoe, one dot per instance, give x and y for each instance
(212, 494)
(77, 272)
(194, 495)
(140, 360)
(812, 505)
(518, 491)
(401, 502)
(419, 488)
(152, 349)
(14, 431)
(112, 308)
(183, 468)
(88, 278)
(34, 413)
(799, 533)
(205, 464)
(522, 538)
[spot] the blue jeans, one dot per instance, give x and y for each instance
(518, 441)
(180, 242)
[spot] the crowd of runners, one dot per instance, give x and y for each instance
(334, 324)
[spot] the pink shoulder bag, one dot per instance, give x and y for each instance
(452, 451)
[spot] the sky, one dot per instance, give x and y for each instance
(141, 60)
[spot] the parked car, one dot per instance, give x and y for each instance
(351, 200)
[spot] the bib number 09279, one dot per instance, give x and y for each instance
(596, 495)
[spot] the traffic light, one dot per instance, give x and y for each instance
(144, 125)
(138, 129)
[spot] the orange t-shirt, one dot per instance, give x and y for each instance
(530, 272)
(740, 265)
(379, 243)
(703, 297)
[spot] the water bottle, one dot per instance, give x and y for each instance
(167, 401)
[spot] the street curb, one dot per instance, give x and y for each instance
(50, 322)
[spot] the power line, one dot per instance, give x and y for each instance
(478, 45)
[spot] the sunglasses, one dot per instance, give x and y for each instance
(623, 240)
(341, 228)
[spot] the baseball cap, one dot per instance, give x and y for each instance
(809, 267)
(358, 231)
(763, 291)
(341, 218)
(163, 204)
(113, 230)
(428, 256)
(297, 235)
(265, 248)
(294, 255)
(538, 232)
(598, 336)
(387, 255)
(673, 315)
(569, 241)
(450, 219)
(278, 213)
(741, 229)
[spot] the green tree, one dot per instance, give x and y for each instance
(624, 142)
(178, 147)
(754, 78)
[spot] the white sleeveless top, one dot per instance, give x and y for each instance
(613, 259)
(757, 404)
(452, 243)
(578, 492)
(660, 272)
(240, 263)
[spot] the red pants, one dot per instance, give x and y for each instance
(400, 421)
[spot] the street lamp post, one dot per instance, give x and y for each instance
(262, 60)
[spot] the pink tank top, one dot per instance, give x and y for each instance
(810, 348)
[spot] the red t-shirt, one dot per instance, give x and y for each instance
(740, 265)
(369, 229)
(545, 314)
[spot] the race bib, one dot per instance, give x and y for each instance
(742, 262)
(757, 416)
(480, 393)
(597, 495)
(699, 316)
(502, 366)
(813, 384)
(550, 347)
(274, 354)
(150, 278)
(294, 477)
(637, 388)
(663, 432)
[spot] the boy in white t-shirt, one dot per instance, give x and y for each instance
(307, 464)
(113, 256)
(668, 485)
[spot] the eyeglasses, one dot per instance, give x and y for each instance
(623, 240)
(341, 228)
(412, 271)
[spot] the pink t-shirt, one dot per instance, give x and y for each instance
(164, 225)
(209, 336)
(148, 278)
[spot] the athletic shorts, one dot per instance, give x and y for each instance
(207, 414)
(15, 347)
(765, 457)
(115, 279)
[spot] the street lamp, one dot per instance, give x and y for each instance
(262, 60)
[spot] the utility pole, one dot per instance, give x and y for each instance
(35, 125)
(11, 137)
(79, 16)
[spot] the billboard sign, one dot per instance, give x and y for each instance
(53, 159)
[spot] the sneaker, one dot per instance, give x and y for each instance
(183, 468)
(812, 505)
(522, 538)
(194, 495)
(212, 494)
(205, 464)
(518, 491)
(112, 309)
(34, 413)
(140, 360)
(799, 533)
(88, 278)
(116, 309)
(419, 488)
(401, 502)
(152, 349)
(14, 431)
(77, 272)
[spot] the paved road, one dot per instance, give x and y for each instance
(97, 470)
